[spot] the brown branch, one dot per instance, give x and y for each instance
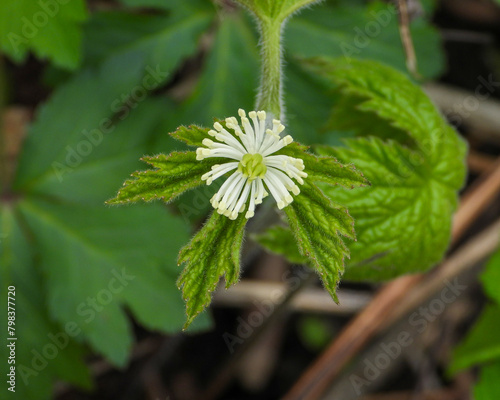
(479, 162)
(314, 300)
(480, 194)
(406, 39)
(431, 395)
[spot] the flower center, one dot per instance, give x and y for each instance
(252, 166)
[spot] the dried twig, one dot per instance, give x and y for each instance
(479, 162)
(434, 395)
(314, 300)
(406, 39)
(476, 199)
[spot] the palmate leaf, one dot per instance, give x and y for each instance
(212, 253)
(403, 220)
(98, 260)
(317, 225)
(50, 29)
(308, 102)
(81, 247)
(360, 31)
(174, 174)
(396, 101)
(44, 349)
(117, 38)
(234, 58)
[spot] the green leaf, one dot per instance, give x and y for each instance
(111, 133)
(363, 32)
(317, 223)
(160, 41)
(393, 98)
(192, 135)
(182, 7)
(174, 174)
(430, 6)
(80, 159)
(482, 343)
(212, 253)
(50, 29)
(488, 386)
(308, 100)
(403, 220)
(98, 260)
(326, 168)
(230, 75)
(44, 350)
(491, 277)
(280, 240)
(346, 116)
(275, 10)
(98, 125)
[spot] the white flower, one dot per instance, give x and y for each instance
(255, 168)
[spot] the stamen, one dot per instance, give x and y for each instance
(250, 144)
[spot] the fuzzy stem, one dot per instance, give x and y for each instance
(270, 92)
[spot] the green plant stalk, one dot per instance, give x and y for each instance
(269, 98)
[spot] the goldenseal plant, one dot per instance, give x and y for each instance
(255, 161)
(256, 157)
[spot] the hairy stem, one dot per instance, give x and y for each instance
(270, 91)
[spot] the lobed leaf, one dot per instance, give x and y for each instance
(50, 30)
(393, 98)
(317, 225)
(326, 168)
(65, 249)
(35, 330)
(174, 174)
(364, 31)
(403, 221)
(230, 75)
(192, 135)
(98, 261)
(212, 253)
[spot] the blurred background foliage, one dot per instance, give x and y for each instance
(117, 77)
